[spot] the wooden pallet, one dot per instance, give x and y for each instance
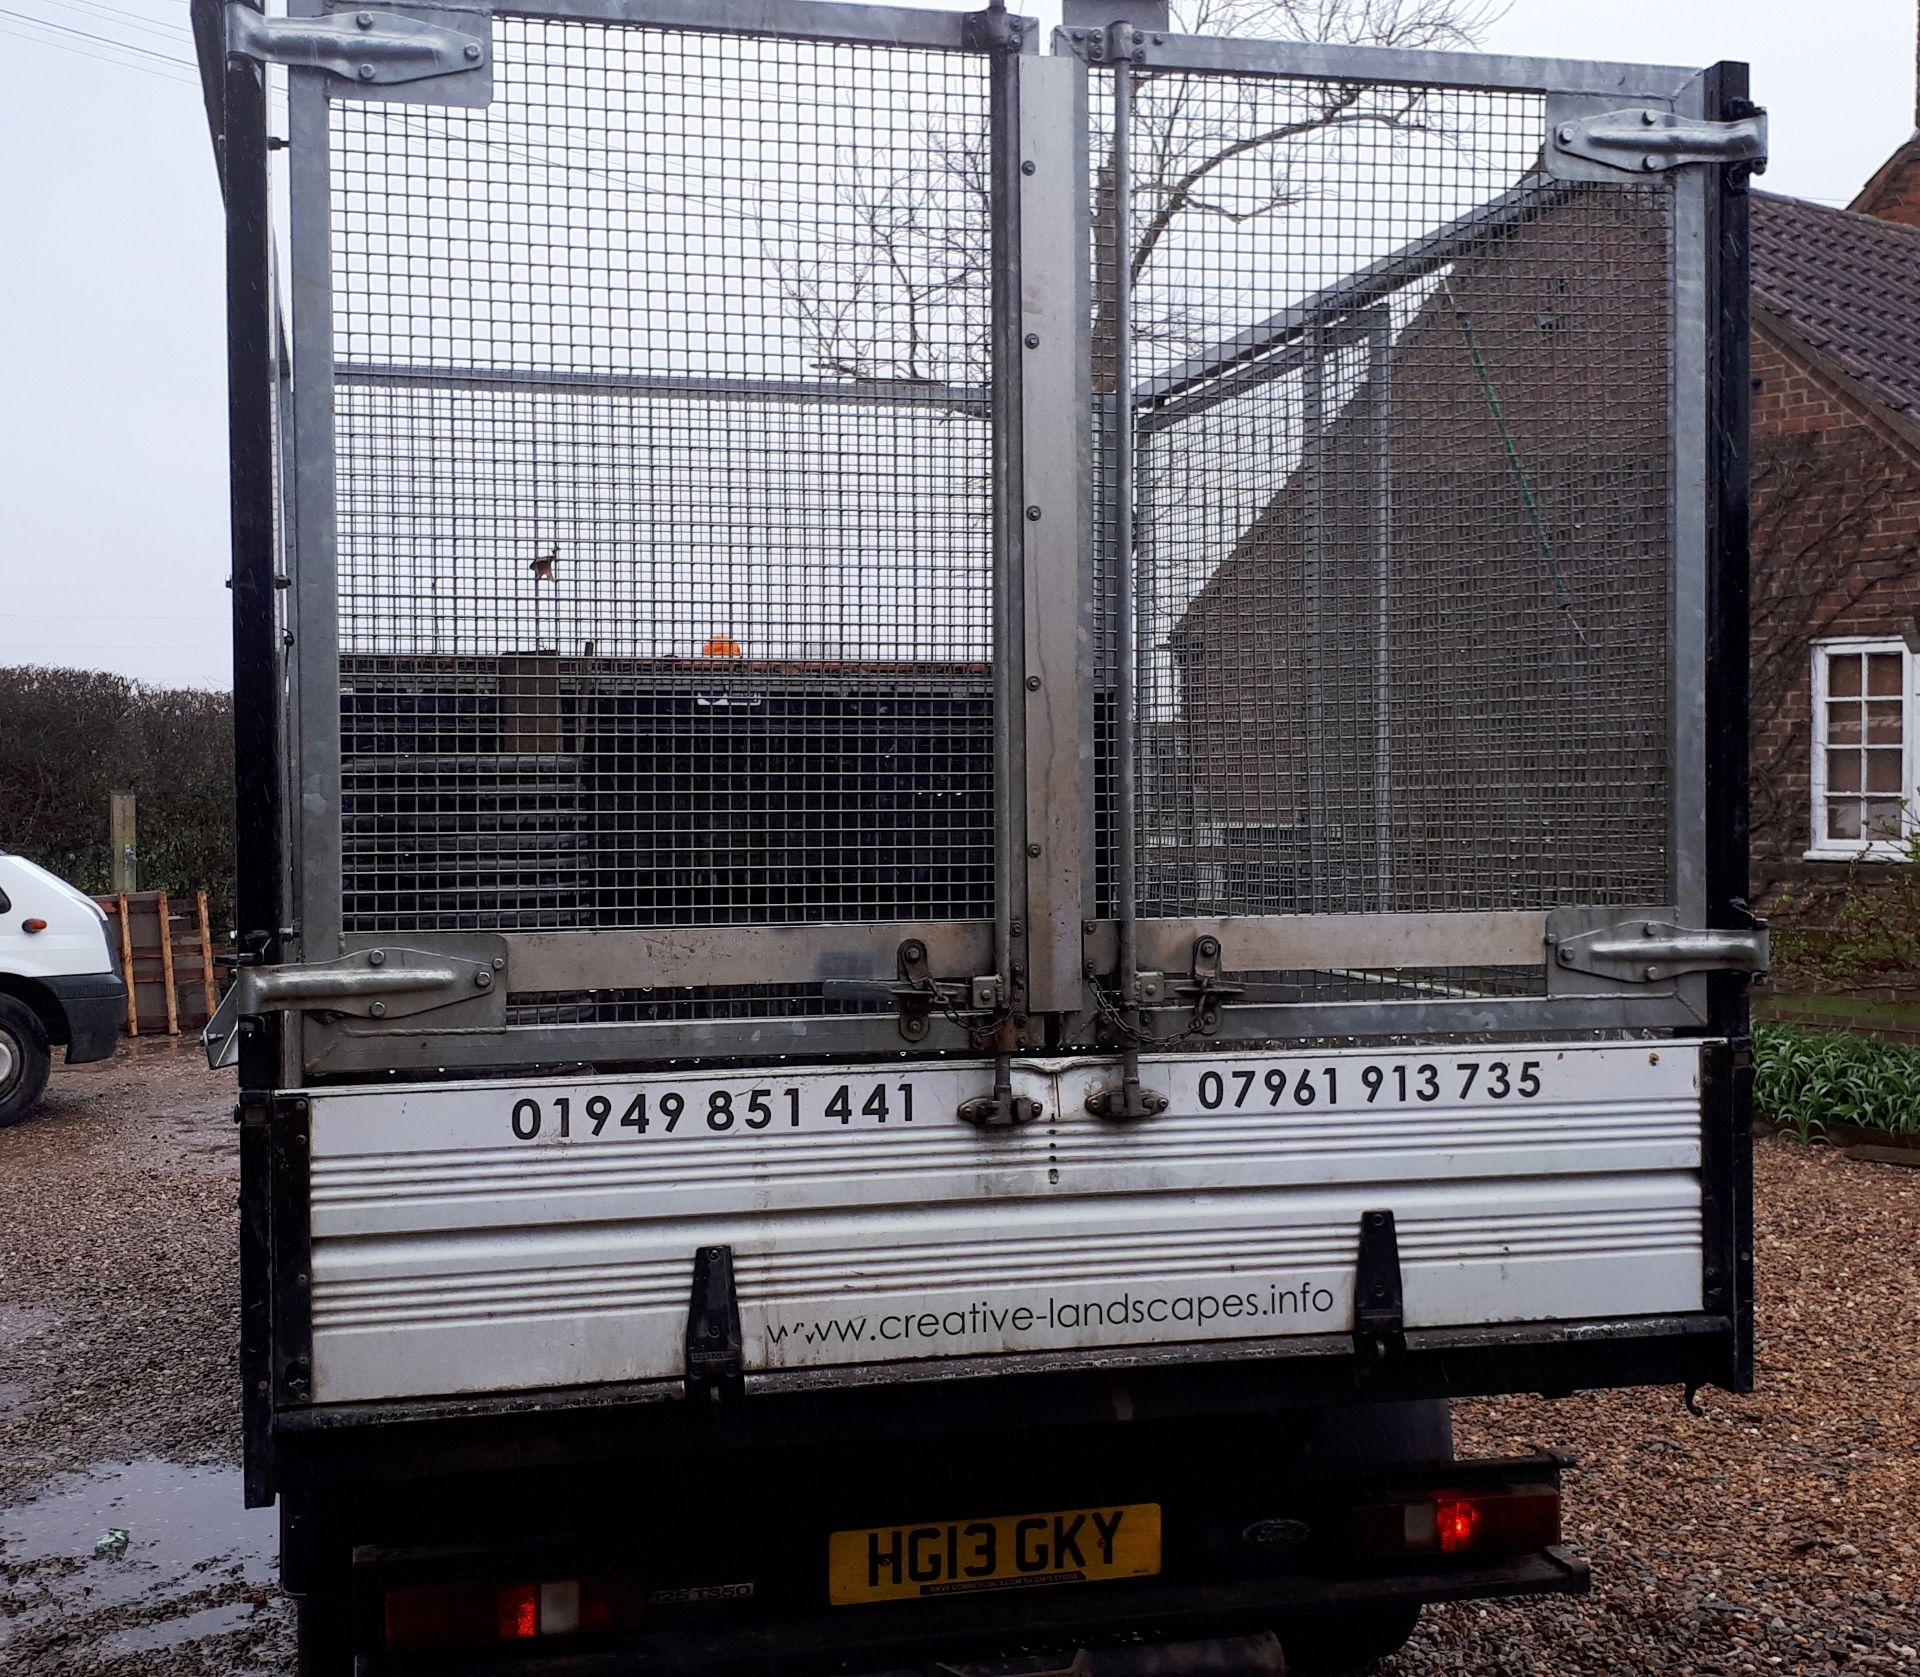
(164, 953)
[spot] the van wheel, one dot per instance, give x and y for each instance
(25, 1060)
(1344, 1642)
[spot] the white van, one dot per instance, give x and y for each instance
(58, 985)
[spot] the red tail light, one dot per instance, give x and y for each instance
(461, 1615)
(519, 1612)
(1456, 1522)
(1492, 1522)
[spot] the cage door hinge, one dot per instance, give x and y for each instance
(1121, 42)
(997, 30)
(1644, 140)
(368, 984)
(1647, 951)
(1379, 1307)
(372, 49)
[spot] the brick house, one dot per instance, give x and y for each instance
(1471, 569)
(1429, 672)
(1836, 531)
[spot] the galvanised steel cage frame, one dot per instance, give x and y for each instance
(1052, 966)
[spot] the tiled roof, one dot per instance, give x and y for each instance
(1849, 285)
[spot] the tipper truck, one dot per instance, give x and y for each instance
(991, 805)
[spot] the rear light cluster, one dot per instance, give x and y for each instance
(460, 1615)
(1503, 1522)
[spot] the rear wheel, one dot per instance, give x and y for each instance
(1343, 1642)
(25, 1060)
(1364, 1439)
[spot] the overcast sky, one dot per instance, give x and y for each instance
(112, 454)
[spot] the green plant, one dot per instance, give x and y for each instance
(1811, 1081)
(1864, 935)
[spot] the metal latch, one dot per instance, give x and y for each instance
(368, 984)
(1205, 986)
(1647, 951)
(1643, 140)
(374, 49)
(917, 993)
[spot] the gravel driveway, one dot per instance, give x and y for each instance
(1776, 1533)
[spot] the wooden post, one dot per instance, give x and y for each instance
(120, 839)
(166, 964)
(206, 951)
(126, 965)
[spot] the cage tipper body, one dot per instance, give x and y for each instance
(925, 707)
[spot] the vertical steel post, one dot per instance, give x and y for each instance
(1009, 599)
(1379, 342)
(252, 374)
(314, 595)
(1126, 630)
(1313, 477)
(1056, 517)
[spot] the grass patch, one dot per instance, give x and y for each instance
(1847, 1010)
(1815, 1081)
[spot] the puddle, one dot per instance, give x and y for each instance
(16, 1402)
(187, 1534)
(173, 1633)
(22, 1322)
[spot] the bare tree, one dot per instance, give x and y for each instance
(893, 286)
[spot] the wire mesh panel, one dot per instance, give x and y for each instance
(1401, 519)
(663, 493)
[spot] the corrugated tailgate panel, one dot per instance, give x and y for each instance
(454, 1251)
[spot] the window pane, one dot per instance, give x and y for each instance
(1843, 771)
(1883, 771)
(1843, 673)
(1843, 724)
(1843, 819)
(1883, 818)
(1883, 673)
(1883, 721)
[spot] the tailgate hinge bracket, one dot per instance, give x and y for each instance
(1643, 139)
(1003, 1109)
(1648, 951)
(1379, 1311)
(1128, 1098)
(716, 1347)
(367, 984)
(368, 48)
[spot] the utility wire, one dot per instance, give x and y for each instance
(98, 40)
(97, 57)
(166, 31)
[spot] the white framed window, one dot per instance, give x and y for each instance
(1863, 749)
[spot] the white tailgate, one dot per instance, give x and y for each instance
(482, 1236)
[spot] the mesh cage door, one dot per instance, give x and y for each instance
(662, 516)
(1403, 535)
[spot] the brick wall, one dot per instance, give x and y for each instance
(1836, 551)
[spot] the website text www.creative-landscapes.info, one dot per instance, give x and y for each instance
(1042, 1322)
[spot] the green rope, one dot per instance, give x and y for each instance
(1513, 460)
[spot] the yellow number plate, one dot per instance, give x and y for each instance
(1010, 1552)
